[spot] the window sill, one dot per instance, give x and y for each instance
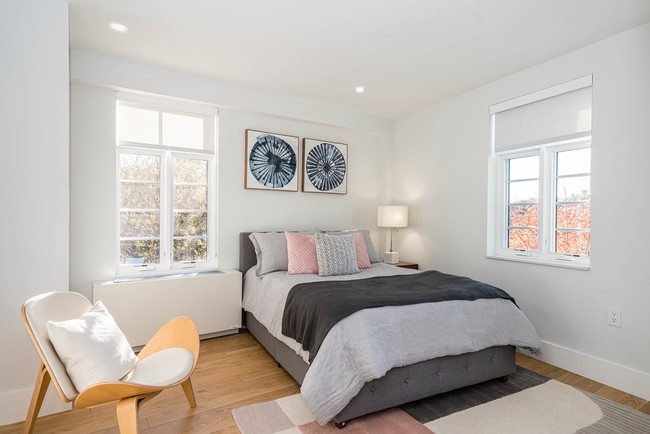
(547, 262)
(169, 275)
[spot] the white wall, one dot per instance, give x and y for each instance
(92, 171)
(92, 186)
(34, 178)
(441, 172)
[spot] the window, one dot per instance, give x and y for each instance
(542, 154)
(522, 190)
(166, 188)
(572, 219)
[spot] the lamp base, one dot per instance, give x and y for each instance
(391, 257)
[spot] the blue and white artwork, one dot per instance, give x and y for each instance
(271, 161)
(325, 167)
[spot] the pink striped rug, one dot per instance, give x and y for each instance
(527, 403)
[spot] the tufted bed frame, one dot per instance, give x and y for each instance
(399, 385)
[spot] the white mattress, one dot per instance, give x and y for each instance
(367, 344)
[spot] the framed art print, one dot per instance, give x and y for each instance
(271, 161)
(325, 167)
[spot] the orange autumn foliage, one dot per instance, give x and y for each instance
(569, 216)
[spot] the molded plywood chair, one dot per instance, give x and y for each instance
(170, 366)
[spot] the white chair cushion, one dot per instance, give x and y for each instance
(92, 348)
(163, 368)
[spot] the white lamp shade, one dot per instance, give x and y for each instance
(392, 216)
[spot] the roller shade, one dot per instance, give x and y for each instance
(559, 113)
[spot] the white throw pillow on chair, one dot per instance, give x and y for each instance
(92, 348)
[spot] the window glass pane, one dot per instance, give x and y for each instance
(523, 191)
(190, 223)
(190, 197)
(134, 167)
(140, 252)
(138, 125)
(139, 224)
(188, 170)
(573, 216)
(574, 162)
(574, 188)
(523, 216)
(139, 196)
(522, 239)
(572, 242)
(193, 249)
(524, 168)
(183, 131)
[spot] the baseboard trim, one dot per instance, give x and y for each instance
(14, 404)
(612, 374)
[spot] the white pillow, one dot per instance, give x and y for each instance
(92, 348)
(271, 251)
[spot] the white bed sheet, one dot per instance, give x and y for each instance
(367, 344)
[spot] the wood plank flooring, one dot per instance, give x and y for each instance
(234, 371)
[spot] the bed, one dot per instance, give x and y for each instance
(399, 385)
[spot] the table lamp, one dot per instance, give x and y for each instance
(390, 217)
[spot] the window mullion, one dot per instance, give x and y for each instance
(166, 211)
(552, 201)
(212, 204)
(502, 200)
(160, 127)
(541, 245)
(543, 200)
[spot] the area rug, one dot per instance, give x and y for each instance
(527, 403)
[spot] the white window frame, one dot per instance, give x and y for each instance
(546, 207)
(167, 154)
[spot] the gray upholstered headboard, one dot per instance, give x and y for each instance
(247, 257)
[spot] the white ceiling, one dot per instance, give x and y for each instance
(407, 53)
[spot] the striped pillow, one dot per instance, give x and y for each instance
(366, 237)
(363, 257)
(301, 252)
(336, 254)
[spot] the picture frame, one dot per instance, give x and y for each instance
(271, 161)
(324, 167)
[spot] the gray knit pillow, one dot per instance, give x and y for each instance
(337, 255)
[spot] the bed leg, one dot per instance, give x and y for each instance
(279, 365)
(340, 425)
(504, 379)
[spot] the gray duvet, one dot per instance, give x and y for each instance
(367, 344)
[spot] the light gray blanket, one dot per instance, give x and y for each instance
(367, 344)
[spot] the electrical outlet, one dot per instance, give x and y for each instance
(614, 316)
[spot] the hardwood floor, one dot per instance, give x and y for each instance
(234, 371)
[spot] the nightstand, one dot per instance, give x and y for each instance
(411, 265)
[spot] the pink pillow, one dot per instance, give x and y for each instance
(301, 250)
(363, 260)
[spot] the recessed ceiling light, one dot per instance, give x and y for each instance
(359, 89)
(119, 28)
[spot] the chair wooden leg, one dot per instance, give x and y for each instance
(189, 392)
(127, 412)
(42, 381)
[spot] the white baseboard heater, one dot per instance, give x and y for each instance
(142, 306)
